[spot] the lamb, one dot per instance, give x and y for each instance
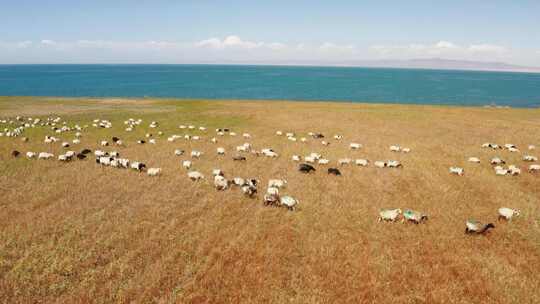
(406, 150)
(362, 162)
(289, 202)
(76, 141)
(457, 171)
(277, 183)
(220, 182)
(344, 161)
(186, 164)
(196, 154)
(65, 144)
(153, 171)
(195, 175)
(334, 171)
(305, 168)
(45, 155)
(534, 168)
(395, 148)
(476, 227)
(104, 143)
(296, 158)
(389, 215)
(355, 146)
(220, 151)
(152, 141)
(30, 154)
(474, 160)
(414, 216)
(508, 213)
(530, 158)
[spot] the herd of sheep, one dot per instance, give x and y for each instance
(248, 186)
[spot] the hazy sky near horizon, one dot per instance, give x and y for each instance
(160, 31)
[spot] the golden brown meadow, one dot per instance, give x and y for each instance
(76, 232)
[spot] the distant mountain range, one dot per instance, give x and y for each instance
(433, 63)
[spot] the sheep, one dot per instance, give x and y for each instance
(15, 153)
(534, 168)
(30, 154)
(45, 155)
(362, 162)
(99, 153)
(232, 133)
(323, 161)
(104, 160)
(531, 147)
(395, 148)
(243, 148)
(389, 215)
(239, 158)
(406, 150)
(474, 160)
(153, 171)
(497, 161)
(510, 146)
(271, 197)
(220, 151)
(414, 216)
(138, 166)
(344, 161)
(65, 144)
(24, 139)
(269, 153)
(309, 159)
(196, 154)
(316, 135)
(530, 158)
(500, 171)
(394, 164)
(195, 175)
(214, 140)
(289, 202)
(186, 164)
(249, 188)
(338, 137)
(238, 181)
(292, 139)
(513, 170)
(104, 143)
(279, 133)
(81, 156)
(114, 154)
(305, 168)
(513, 149)
(246, 135)
(508, 213)
(220, 182)
(457, 171)
(179, 152)
(152, 141)
(76, 141)
(296, 158)
(355, 146)
(334, 171)
(379, 164)
(277, 183)
(141, 141)
(476, 227)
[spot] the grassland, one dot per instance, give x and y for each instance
(76, 232)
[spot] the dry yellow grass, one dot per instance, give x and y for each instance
(77, 232)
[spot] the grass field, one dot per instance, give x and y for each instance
(78, 232)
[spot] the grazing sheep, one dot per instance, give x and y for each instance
(474, 160)
(152, 141)
(271, 197)
(344, 161)
(179, 152)
(325, 143)
(457, 171)
(531, 147)
(309, 159)
(216, 172)
(362, 162)
(395, 148)
(76, 141)
(246, 135)
(195, 175)
(316, 135)
(153, 171)
(289, 202)
(15, 153)
(508, 213)
(269, 153)
(379, 164)
(323, 161)
(65, 144)
(250, 187)
(476, 227)
(141, 141)
(220, 182)
(334, 171)
(138, 166)
(305, 168)
(220, 151)
(296, 158)
(355, 146)
(214, 140)
(338, 137)
(30, 154)
(303, 139)
(186, 164)
(414, 216)
(530, 158)
(406, 150)
(534, 168)
(81, 156)
(279, 133)
(394, 164)
(104, 143)
(500, 171)
(45, 155)
(238, 181)
(513, 170)
(497, 161)
(389, 214)
(277, 183)
(196, 154)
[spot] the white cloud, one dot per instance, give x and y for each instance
(47, 42)
(332, 47)
(487, 48)
(445, 45)
(442, 49)
(235, 42)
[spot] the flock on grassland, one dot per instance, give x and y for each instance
(248, 186)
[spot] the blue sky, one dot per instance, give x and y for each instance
(273, 31)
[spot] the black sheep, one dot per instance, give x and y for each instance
(15, 153)
(334, 171)
(305, 168)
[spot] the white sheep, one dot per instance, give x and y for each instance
(30, 154)
(508, 213)
(246, 135)
(289, 202)
(196, 154)
(186, 164)
(104, 143)
(406, 150)
(497, 161)
(338, 137)
(355, 146)
(238, 181)
(393, 164)
(362, 162)
(344, 161)
(153, 171)
(216, 172)
(214, 140)
(45, 155)
(220, 151)
(500, 171)
(195, 175)
(296, 158)
(178, 152)
(531, 147)
(277, 183)
(220, 182)
(534, 168)
(474, 160)
(395, 148)
(152, 141)
(513, 170)
(379, 164)
(325, 143)
(389, 214)
(530, 158)
(279, 133)
(457, 171)
(323, 161)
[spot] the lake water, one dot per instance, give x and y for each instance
(405, 86)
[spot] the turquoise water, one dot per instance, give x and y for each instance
(274, 82)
